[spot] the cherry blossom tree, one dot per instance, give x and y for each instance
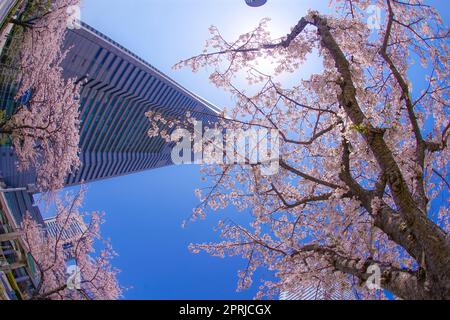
(44, 128)
(363, 179)
(53, 251)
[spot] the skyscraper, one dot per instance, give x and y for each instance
(118, 88)
(255, 3)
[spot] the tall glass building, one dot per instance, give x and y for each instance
(118, 88)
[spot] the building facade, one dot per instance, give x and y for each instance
(18, 272)
(69, 235)
(339, 290)
(118, 88)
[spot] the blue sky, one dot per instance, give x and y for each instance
(145, 210)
